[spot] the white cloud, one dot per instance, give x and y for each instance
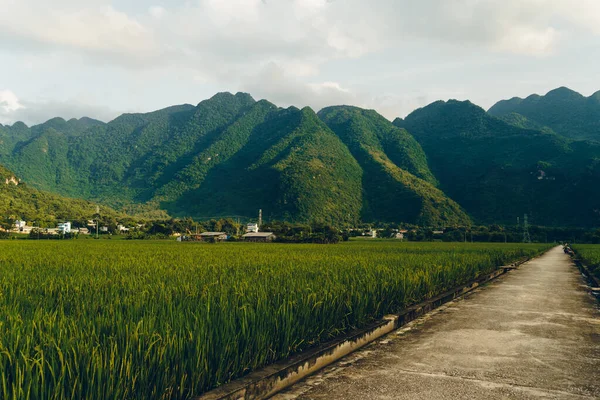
(9, 102)
(99, 31)
(212, 34)
(281, 50)
(524, 27)
(529, 41)
(13, 109)
(328, 86)
(585, 14)
(157, 11)
(232, 11)
(273, 84)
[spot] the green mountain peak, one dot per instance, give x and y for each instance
(19, 125)
(563, 93)
(561, 110)
(492, 167)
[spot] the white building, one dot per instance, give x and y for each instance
(64, 227)
(259, 237)
(252, 228)
(19, 225)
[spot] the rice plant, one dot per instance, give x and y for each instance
(590, 255)
(166, 320)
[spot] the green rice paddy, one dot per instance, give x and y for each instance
(590, 255)
(164, 320)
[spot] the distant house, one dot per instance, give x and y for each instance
(84, 231)
(64, 228)
(438, 232)
(259, 237)
(104, 229)
(398, 235)
(252, 228)
(19, 225)
(122, 228)
(211, 236)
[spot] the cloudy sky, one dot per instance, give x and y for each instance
(99, 58)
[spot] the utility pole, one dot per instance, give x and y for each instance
(97, 220)
(259, 218)
(526, 237)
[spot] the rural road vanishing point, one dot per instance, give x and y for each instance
(531, 334)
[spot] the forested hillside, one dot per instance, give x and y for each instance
(562, 110)
(398, 185)
(19, 201)
(498, 171)
(230, 156)
(444, 165)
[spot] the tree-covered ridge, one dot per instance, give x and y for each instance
(358, 127)
(20, 201)
(290, 165)
(119, 162)
(230, 156)
(498, 171)
(520, 121)
(397, 183)
(565, 111)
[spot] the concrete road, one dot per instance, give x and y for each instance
(533, 333)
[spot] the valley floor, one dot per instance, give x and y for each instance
(533, 333)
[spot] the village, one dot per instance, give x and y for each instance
(232, 229)
(250, 232)
(94, 229)
(65, 228)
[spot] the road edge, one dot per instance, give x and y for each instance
(586, 272)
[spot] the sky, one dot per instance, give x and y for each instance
(101, 58)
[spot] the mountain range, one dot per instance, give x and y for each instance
(450, 163)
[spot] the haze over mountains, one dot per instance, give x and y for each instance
(450, 163)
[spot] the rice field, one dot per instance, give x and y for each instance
(165, 320)
(590, 254)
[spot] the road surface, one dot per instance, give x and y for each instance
(533, 333)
